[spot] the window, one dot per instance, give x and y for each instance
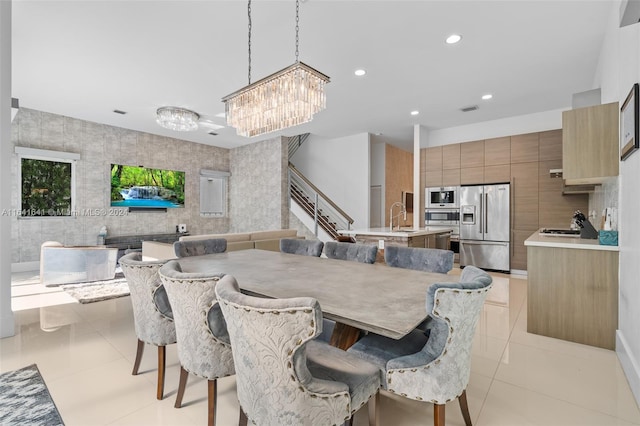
(47, 182)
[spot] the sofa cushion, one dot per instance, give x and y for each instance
(275, 234)
(246, 236)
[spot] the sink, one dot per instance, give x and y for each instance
(560, 232)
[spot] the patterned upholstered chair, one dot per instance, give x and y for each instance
(152, 316)
(421, 259)
(203, 341)
(364, 253)
(199, 247)
(434, 366)
(283, 375)
(302, 247)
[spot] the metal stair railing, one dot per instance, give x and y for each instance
(325, 213)
(295, 142)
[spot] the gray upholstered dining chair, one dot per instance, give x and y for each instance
(434, 366)
(283, 375)
(421, 259)
(364, 253)
(203, 342)
(302, 247)
(152, 316)
(199, 247)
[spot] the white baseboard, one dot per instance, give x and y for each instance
(518, 273)
(25, 266)
(629, 365)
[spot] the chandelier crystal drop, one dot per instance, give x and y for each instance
(284, 99)
(178, 119)
(281, 100)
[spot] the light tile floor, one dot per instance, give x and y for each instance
(86, 352)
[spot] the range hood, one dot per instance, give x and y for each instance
(571, 189)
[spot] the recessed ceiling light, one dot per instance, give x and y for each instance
(453, 38)
(415, 112)
(360, 72)
(487, 96)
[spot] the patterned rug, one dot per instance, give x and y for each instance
(25, 399)
(96, 291)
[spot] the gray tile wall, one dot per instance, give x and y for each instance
(100, 145)
(258, 186)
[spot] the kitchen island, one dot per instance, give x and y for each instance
(572, 291)
(429, 237)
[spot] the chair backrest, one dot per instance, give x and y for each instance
(302, 247)
(203, 341)
(454, 310)
(421, 259)
(199, 247)
(364, 253)
(152, 314)
(269, 338)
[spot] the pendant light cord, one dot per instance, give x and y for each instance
(249, 14)
(297, 28)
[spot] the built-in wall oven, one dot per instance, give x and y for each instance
(442, 197)
(446, 218)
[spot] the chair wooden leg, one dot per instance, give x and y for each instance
(136, 363)
(242, 421)
(464, 407)
(184, 374)
(438, 414)
(162, 361)
(374, 409)
(212, 387)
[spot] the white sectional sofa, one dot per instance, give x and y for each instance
(264, 240)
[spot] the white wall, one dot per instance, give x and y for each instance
(530, 123)
(6, 315)
(340, 169)
(619, 69)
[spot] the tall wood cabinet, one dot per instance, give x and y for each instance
(590, 143)
(537, 200)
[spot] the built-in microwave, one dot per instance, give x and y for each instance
(442, 197)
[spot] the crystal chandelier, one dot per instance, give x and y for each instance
(179, 119)
(284, 99)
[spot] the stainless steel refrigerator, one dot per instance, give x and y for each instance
(485, 226)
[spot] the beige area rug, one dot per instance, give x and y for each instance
(97, 291)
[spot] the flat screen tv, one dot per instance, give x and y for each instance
(142, 187)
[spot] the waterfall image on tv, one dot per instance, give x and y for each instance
(134, 186)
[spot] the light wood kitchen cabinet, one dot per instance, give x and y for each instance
(524, 209)
(572, 294)
(433, 166)
(524, 148)
(590, 143)
(550, 146)
(497, 151)
(497, 174)
(471, 175)
(451, 177)
(451, 156)
(472, 155)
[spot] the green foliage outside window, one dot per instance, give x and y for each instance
(46, 188)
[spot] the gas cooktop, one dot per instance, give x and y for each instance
(555, 232)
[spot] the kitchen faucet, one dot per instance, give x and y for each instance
(403, 211)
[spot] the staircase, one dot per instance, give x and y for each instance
(325, 213)
(295, 142)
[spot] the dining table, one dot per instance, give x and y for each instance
(375, 298)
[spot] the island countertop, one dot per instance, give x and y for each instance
(403, 232)
(537, 240)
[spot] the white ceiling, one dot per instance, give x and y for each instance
(84, 59)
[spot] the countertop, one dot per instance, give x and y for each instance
(404, 232)
(537, 240)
